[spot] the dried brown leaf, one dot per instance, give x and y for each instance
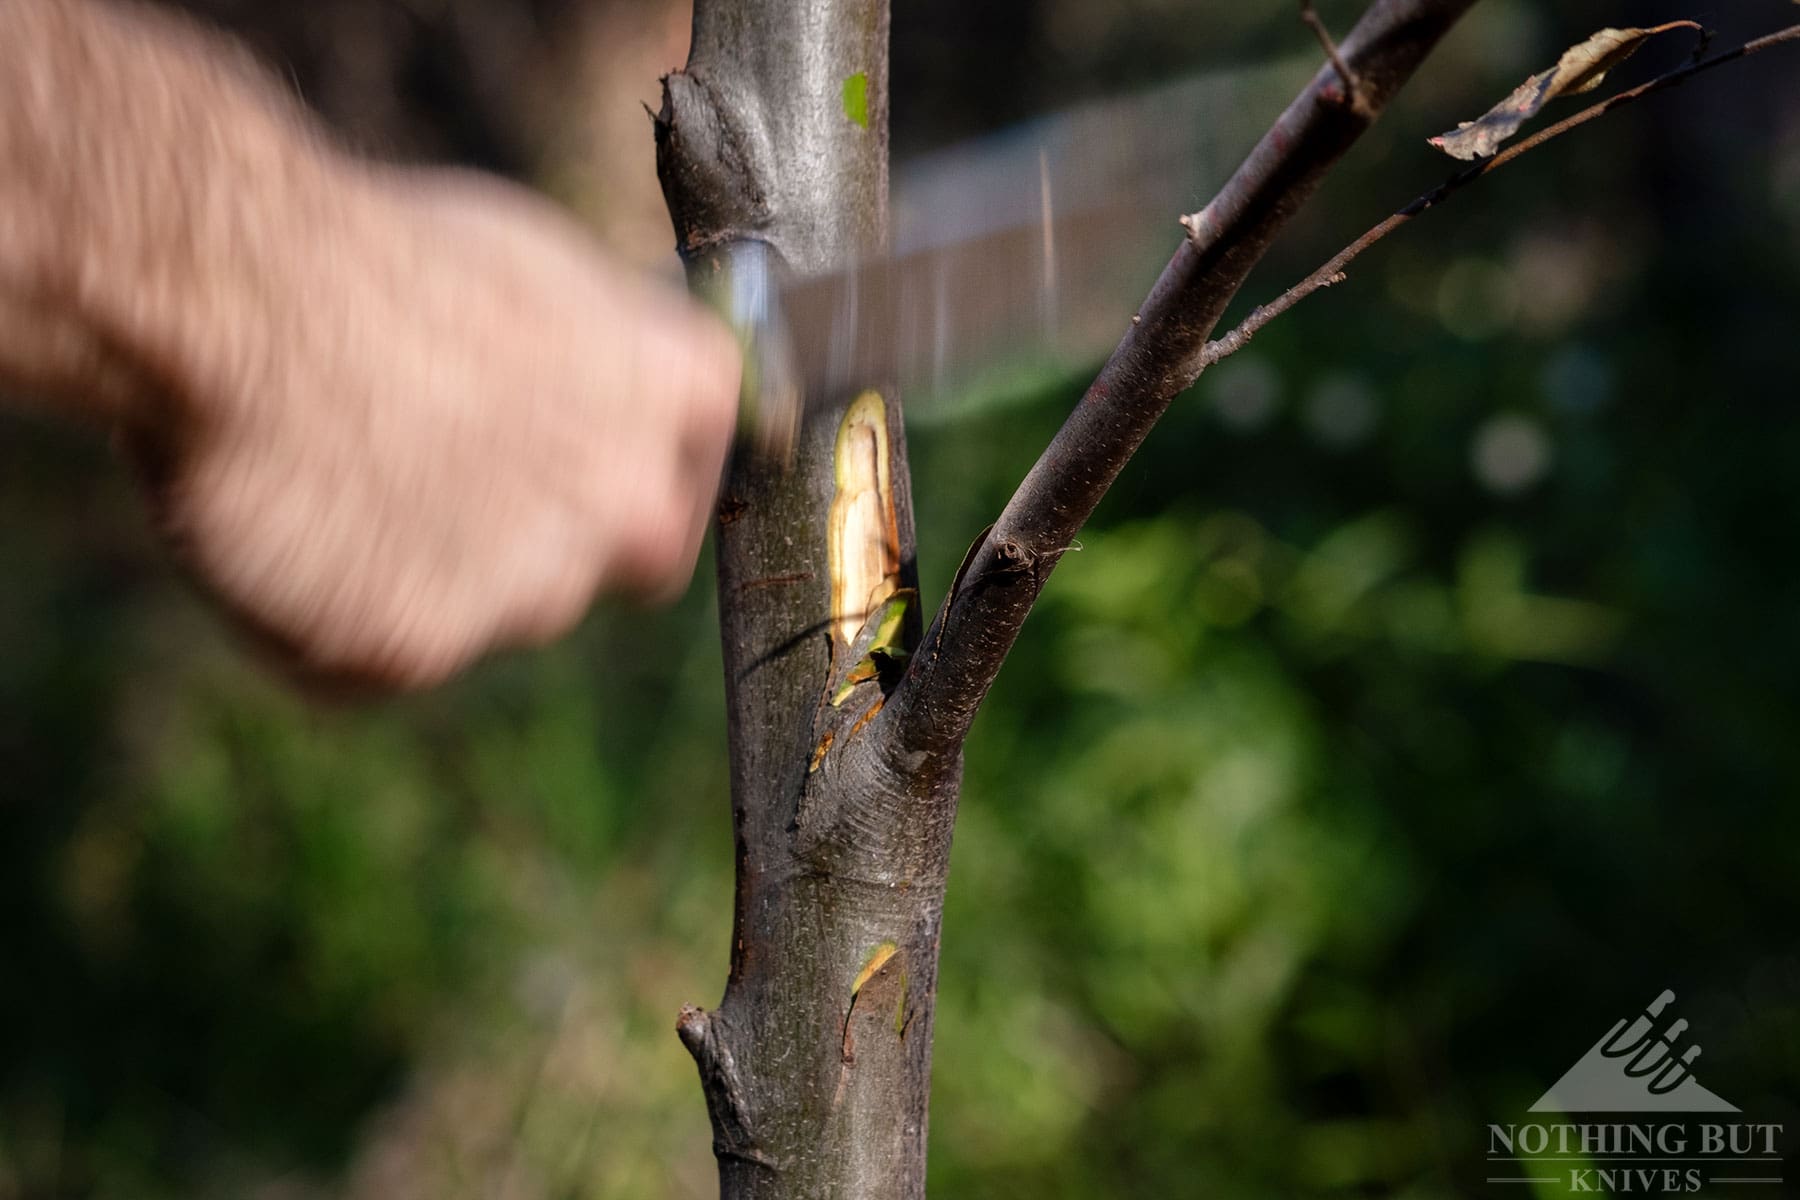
(1580, 69)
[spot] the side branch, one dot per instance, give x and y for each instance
(1159, 358)
(1332, 271)
(1309, 16)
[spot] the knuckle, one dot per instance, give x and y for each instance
(658, 557)
(655, 566)
(546, 614)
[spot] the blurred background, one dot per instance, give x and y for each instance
(1422, 701)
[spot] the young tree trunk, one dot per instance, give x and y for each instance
(816, 1064)
(846, 726)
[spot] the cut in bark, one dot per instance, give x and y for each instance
(816, 1064)
(846, 726)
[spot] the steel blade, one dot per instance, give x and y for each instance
(1017, 258)
(1020, 257)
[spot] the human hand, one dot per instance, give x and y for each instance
(437, 422)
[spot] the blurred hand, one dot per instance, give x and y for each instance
(443, 425)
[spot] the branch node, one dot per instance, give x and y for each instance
(1191, 224)
(1701, 44)
(699, 1031)
(1333, 270)
(1309, 16)
(693, 1027)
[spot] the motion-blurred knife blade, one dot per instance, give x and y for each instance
(1016, 258)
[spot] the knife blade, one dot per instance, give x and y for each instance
(1017, 258)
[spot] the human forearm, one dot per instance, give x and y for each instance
(153, 189)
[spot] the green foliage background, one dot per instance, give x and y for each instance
(1336, 798)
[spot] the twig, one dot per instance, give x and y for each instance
(1309, 16)
(1333, 269)
(931, 708)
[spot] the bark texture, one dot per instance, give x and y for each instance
(846, 753)
(1158, 358)
(816, 1064)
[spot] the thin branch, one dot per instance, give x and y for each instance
(1309, 16)
(1333, 269)
(930, 710)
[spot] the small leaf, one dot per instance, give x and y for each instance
(856, 98)
(1580, 69)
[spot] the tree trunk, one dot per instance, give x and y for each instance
(816, 1064)
(846, 726)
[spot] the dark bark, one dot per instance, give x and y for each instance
(1159, 358)
(816, 1064)
(816, 1081)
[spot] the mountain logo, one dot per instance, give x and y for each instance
(1635, 1067)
